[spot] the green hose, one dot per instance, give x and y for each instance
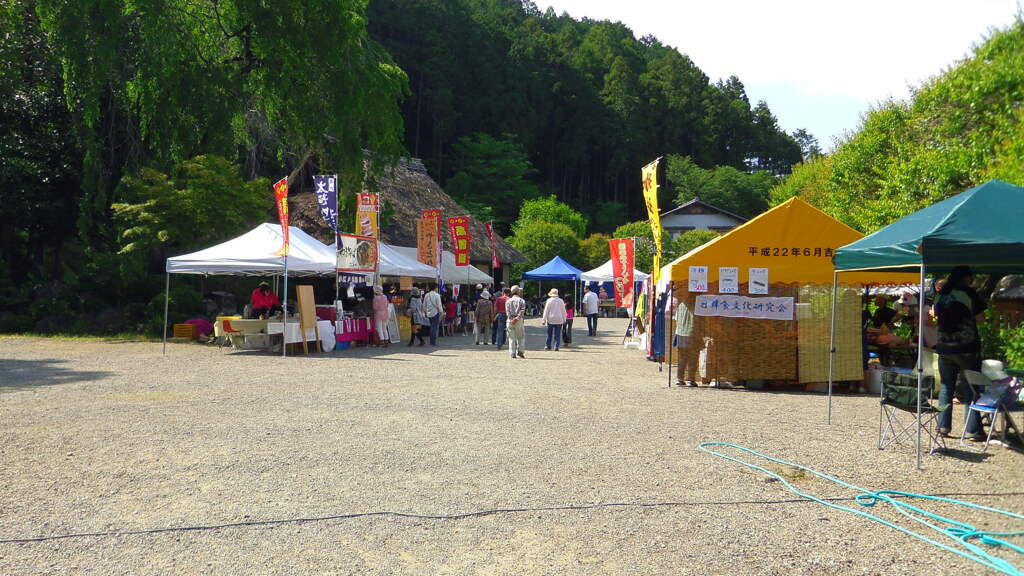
(961, 533)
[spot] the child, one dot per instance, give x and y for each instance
(451, 312)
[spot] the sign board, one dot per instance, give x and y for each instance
(404, 283)
(757, 281)
(778, 308)
(356, 254)
(729, 280)
(698, 279)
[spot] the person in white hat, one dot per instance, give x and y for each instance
(515, 311)
(484, 317)
(553, 318)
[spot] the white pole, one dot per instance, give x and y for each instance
(284, 308)
(832, 343)
(167, 299)
(920, 361)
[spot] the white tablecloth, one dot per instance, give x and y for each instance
(293, 336)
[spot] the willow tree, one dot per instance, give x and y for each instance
(154, 82)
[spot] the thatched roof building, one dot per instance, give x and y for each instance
(407, 190)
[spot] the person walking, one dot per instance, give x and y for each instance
(419, 322)
(553, 318)
(515, 310)
(591, 306)
(689, 351)
(570, 313)
(380, 316)
(500, 318)
(434, 312)
(484, 317)
(958, 308)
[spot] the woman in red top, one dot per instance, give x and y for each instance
(264, 302)
(451, 312)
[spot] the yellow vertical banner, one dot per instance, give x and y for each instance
(649, 176)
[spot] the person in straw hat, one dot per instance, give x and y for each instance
(553, 318)
(484, 316)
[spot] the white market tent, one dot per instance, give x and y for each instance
(394, 262)
(253, 254)
(449, 271)
(604, 273)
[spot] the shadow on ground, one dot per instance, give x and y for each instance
(24, 374)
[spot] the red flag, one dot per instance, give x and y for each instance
(494, 246)
(458, 227)
(281, 199)
(622, 269)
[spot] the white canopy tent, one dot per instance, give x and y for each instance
(604, 273)
(449, 271)
(253, 254)
(394, 262)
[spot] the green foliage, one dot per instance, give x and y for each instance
(207, 201)
(1013, 349)
(724, 186)
(493, 178)
(541, 241)
(605, 216)
(688, 241)
(594, 251)
(549, 209)
(959, 129)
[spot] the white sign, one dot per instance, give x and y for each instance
(778, 308)
(757, 281)
(729, 280)
(698, 278)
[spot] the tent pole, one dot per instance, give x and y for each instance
(167, 299)
(832, 343)
(284, 309)
(671, 330)
(920, 361)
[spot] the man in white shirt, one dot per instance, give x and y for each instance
(590, 308)
(432, 309)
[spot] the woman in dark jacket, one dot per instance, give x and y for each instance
(958, 308)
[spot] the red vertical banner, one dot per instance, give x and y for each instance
(281, 200)
(495, 263)
(622, 269)
(458, 227)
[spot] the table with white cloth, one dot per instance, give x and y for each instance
(294, 336)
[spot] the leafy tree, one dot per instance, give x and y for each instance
(541, 241)
(549, 209)
(605, 216)
(594, 251)
(206, 201)
(493, 178)
(725, 187)
(809, 147)
(688, 241)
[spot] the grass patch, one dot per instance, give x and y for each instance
(119, 337)
(791, 474)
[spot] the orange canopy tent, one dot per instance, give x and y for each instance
(794, 241)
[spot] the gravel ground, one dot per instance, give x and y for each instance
(252, 464)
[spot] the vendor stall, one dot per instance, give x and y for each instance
(449, 271)
(761, 293)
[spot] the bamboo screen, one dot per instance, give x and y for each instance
(814, 331)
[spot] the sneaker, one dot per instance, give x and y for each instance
(977, 438)
(691, 384)
(547, 348)
(521, 355)
(556, 348)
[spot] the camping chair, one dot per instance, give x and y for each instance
(897, 419)
(997, 399)
(229, 331)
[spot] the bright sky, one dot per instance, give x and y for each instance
(818, 63)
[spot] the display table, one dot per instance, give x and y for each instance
(354, 329)
(294, 336)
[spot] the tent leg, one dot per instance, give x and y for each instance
(167, 299)
(920, 361)
(284, 308)
(670, 335)
(832, 343)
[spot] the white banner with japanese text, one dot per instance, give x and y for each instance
(744, 307)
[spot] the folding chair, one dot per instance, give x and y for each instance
(897, 419)
(997, 399)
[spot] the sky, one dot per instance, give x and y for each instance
(820, 64)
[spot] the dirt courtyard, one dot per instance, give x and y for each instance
(116, 459)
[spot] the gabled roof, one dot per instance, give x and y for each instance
(698, 201)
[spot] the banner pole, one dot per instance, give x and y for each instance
(832, 344)
(167, 299)
(284, 309)
(671, 330)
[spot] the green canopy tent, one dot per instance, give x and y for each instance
(982, 227)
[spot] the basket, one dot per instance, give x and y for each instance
(186, 331)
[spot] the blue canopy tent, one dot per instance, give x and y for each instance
(555, 269)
